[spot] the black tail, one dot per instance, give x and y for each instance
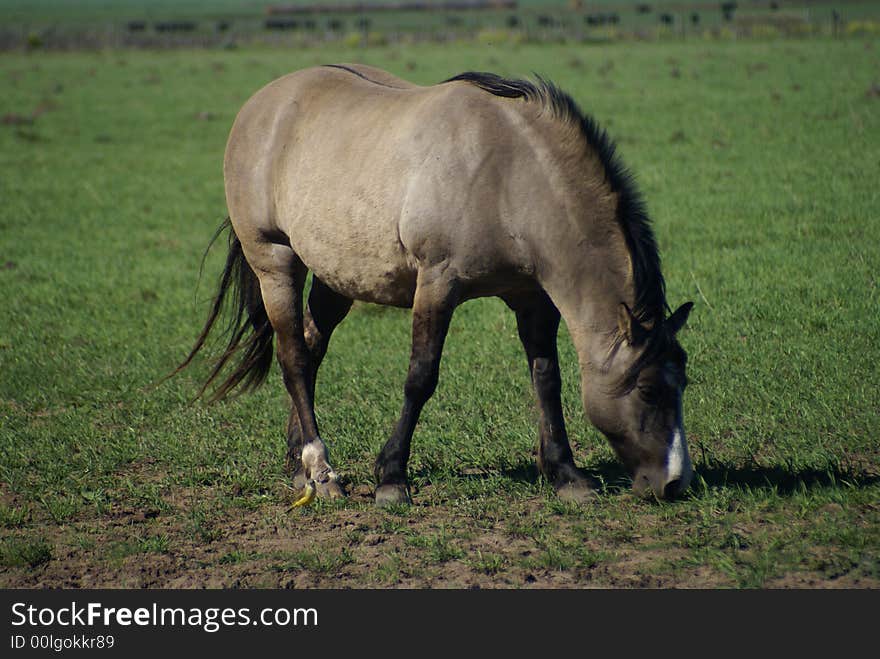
(248, 330)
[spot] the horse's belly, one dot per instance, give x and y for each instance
(367, 270)
(342, 222)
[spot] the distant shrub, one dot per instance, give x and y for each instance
(602, 19)
(664, 32)
(376, 39)
(280, 24)
(34, 40)
(719, 33)
(863, 28)
(175, 26)
(728, 9)
(763, 31)
(771, 26)
(353, 39)
(495, 36)
(604, 34)
(802, 30)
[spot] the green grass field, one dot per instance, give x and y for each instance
(759, 162)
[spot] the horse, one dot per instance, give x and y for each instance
(424, 197)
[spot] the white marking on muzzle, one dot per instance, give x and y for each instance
(677, 460)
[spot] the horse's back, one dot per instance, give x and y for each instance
(372, 74)
(365, 174)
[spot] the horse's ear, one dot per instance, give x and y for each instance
(679, 317)
(629, 326)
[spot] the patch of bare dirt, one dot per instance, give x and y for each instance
(268, 545)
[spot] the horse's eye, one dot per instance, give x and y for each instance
(649, 394)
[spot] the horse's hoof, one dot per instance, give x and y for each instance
(576, 492)
(389, 495)
(329, 490)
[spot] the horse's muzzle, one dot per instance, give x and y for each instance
(658, 483)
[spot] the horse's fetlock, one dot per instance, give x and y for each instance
(314, 459)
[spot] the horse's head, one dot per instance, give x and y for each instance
(636, 403)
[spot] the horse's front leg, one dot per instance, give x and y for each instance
(537, 321)
(434, 302)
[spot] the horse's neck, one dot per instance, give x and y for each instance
(587, 280)
(583, 260)
(592, 329)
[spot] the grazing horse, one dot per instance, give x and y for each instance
(424, 197)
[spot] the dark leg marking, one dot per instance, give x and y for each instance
(282, 291)
(537, 321)
(326, 309)
(432, 311)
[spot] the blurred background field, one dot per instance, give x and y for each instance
(231, 23)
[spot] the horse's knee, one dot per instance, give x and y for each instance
(421, 381)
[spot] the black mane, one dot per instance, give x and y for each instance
(650, 304)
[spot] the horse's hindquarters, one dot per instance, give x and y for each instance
(315, 160)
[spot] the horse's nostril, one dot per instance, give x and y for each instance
(672, 488)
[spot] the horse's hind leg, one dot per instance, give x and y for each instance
(433, 305)
(537, 321)
(325, 310)
(282, 278)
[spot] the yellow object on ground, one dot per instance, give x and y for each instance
(306, 497)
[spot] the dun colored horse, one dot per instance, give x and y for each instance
(425, 197)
